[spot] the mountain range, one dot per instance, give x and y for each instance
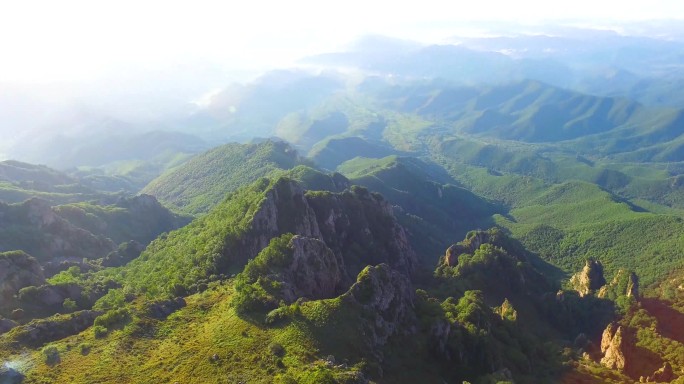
(482, 212)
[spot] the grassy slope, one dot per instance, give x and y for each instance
(182, 348)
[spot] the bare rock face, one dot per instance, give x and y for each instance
(590, 279)
(386, 296)
(624, 283)
(439, 338)
(284, 209)
(50, 295)
(18, 270)
(314, 273)
(633, 286)
(362, 225)
(615, 346)
(357, 226)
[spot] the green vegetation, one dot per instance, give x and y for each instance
(291, 275)
(139, 218)
(575, 221)
(205, 180)
(176, 262)
(435, 211)
(254, 290)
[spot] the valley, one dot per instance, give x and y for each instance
(407, 219)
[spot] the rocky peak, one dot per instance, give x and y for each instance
(590, 279)
(616, 347)
(362, 225)
(386, 296)
(625, 283)
(470, 244)
(286, 209)
(314, 272)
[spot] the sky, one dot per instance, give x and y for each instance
(71, 40)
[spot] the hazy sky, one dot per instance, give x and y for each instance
(77, 40)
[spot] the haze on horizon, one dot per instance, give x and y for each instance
(150, 61)
(76, 40)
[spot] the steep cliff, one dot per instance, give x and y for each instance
(386, 300)
(615, 346)
(358, 227)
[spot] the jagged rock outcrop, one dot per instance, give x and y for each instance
(358, 226)
(39, 212)
(507, 312)
(471, 243)
(616, 346)
(386, 298)
(314, 272)
(625, 283)
(49, 299)
(361, 226)
(633, 285)
(17, 270)
(39, 332)
(283, 209)
(590, 279)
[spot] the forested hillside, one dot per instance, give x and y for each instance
(503, 209)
